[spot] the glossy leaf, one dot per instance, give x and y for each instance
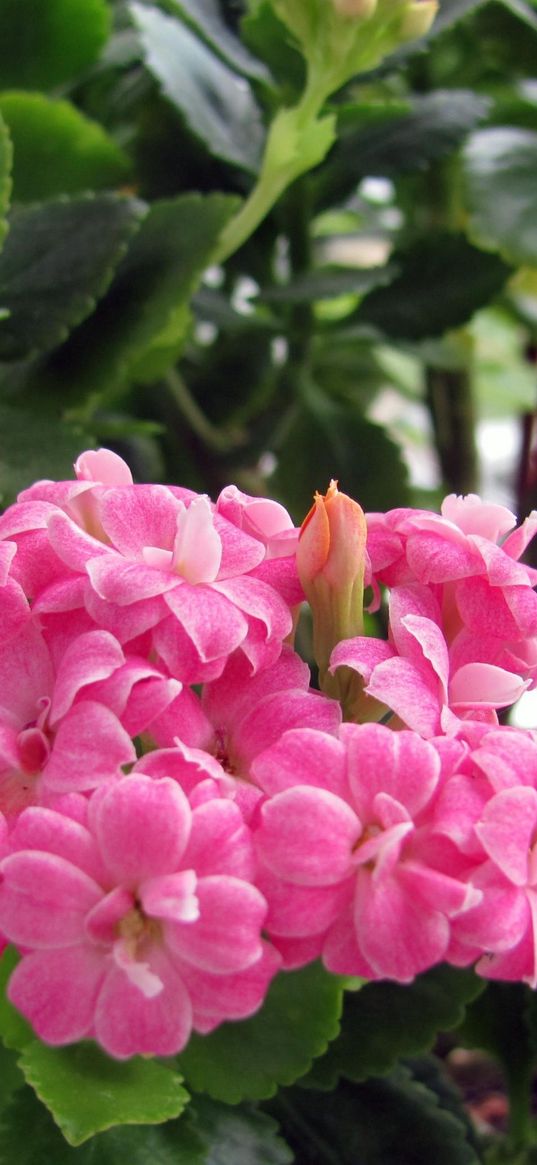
(44, 44)
(58, 259)
(500, 166)
(238, 1136)
(139, 327)
(29, 1136)
(326, 283)
(383, 1121)
(442, 281)
(396, 137)
(57, 149)
(34, 443)
(87, 1091)
(217, 105)
(205, 17)
(248, 1060)
(386, 1021)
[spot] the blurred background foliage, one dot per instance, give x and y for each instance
(371, 328)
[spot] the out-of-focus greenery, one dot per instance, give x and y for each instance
(398, 270)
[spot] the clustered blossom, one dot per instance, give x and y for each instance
(182, 817)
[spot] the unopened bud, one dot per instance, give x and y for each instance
(355, 9)
(417, 19)
(330, 562)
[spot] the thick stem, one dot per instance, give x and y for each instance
(450, 401)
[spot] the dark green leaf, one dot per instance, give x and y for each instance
(139, 327)
(328, 283)
(15, 1032)
(451, 11)
(393, 1121)
(325, 440)
(33, 444)
(385, 1021)
(43, 44)
(248, 1060)
(58, 259)
(238, 1136)
(87, 1092)
(525, 12)
(205, 17)
(6, 157)
(57, 149)
(217, 105)
(443, 280)
(500, 165)
(11, 1076)
(28, 1136)
(391, 139)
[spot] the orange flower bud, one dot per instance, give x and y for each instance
(330, 561)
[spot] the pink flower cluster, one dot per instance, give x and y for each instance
(181, 816)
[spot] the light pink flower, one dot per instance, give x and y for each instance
(414, 675)
(218, 736)
(346, 851)
(66, 722)
(138, 926)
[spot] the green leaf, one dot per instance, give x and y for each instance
(500, 166)
(217, 105)
(248, 1060)
(397, 137)
(58, 259)
(381, 1122)
(204, 16)
(139, 327)
(450, 12)
(6, 158)
(525, 12)
(34, 444)
(327, 283)
(324, 440)
(385, 1021)
(86, 1091)
(29, 1136)
(44, 44)
(57, 149)
(238, 1136)
(15, 1032)
(10, 1075)
(443, 280)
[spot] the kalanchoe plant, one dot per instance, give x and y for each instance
(200, 856)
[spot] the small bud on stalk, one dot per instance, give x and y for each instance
(355, 9)
(418, 19)
(330, 563)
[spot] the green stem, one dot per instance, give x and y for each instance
(212, 437)
(276, 175)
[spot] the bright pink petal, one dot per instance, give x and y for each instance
(226, 937)
(119, 581)
(57, 991)
(396, 934)
(507, 829)
(90, 749)
(197, 548)
(128, 1023)
(221, 997)
(144, 515)
(380, 761)
(43, 899)
(90, 658)
(302, 757)
(482, 685)
(363, 654)
(308, 835)
(213, 624)
(220, 842)
(142, 827)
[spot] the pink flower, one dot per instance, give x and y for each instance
(469, 561)
(218, 736)
(347, 854)
(66, 722)
(415, 673)
(137, 926)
